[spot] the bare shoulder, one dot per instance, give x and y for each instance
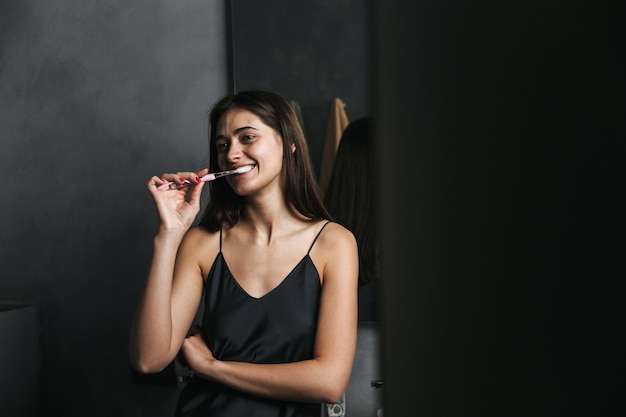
(335, 249)
(335, 241)
(200, 247)
(198, 234)
(335, 236)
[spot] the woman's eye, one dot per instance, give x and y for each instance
(221, 146)
(248, 137)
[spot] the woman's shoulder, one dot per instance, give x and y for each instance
(199, 238)
(333, 235)
(200, 232)
(200, 247)
(335, 253)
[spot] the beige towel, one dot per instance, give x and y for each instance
(337, 122)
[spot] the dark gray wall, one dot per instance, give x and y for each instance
(96, 97)
(20, 359)
(310, 52)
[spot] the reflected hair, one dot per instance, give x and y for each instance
(351, 195)
(301, 190)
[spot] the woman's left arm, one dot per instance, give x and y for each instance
(325, 377)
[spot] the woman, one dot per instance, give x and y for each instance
(279, 279)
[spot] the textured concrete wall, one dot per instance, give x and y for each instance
(96, 97)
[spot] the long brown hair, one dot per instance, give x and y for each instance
(301, 189)
(351, 196)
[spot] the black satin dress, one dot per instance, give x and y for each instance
(276, 328)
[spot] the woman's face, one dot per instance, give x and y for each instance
(243, 139)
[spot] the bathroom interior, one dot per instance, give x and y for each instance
(500, 136)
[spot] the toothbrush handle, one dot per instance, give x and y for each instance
(167, 185)
(209, 177)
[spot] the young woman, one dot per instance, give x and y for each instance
(279, 279)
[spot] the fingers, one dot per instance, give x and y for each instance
(172, 181)
(163, 182)
(181, 179)
(196, 194)
(154, 182)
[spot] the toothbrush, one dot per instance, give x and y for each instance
(207, 178)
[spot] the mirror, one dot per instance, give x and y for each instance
(312, 53)
(309, 52)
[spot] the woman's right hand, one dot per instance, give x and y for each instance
(177, 207)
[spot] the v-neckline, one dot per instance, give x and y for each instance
(280, 284)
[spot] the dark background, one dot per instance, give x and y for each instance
(501, 143)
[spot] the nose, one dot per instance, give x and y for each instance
(234, 152)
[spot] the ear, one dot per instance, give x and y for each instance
(293, 147)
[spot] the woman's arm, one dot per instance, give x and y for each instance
(173, 286)
(324, 377)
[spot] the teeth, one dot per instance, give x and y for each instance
(243, 169)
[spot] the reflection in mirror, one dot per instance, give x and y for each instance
(351, 198)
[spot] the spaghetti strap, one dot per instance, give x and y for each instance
(318, 235)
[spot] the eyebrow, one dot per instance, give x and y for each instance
(238, 130)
